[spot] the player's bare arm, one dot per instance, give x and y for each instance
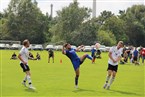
(63, 50)
(79, 48)
(118, 59)
(19, 56)
(110, 56)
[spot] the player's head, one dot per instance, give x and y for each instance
(120, 44)
(26, 43)
(67, 46)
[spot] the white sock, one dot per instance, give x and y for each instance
(25, 79)
(29, 80)
(111, 81)
(107, 78)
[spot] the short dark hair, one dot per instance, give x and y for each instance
(65, 45)
(25, 42)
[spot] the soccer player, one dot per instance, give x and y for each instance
(51, 54)
(38, 56)
(135, 56)
(114, 57)
(143, 55)
(23, 56)
(93, 51)
(76, 61)
(14, 56)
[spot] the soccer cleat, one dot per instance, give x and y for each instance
(24, 83)
(76, 86)
(105, 85)
(108, 87)
(31, 87)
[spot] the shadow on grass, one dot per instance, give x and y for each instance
(126, 93)
(30, 90)
(82, 90)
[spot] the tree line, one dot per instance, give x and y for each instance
(23, 19)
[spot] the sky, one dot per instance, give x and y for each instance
(101, 5)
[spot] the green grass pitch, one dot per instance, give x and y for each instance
(57, 80)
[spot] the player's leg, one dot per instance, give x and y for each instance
(53, 59)
(85, 56)
(77, 71)
(49, 59)
(143, 59)
(29, 79)
(107, 78)
(112, 79)
(94, 57)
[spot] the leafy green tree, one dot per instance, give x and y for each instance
(135, 24)
(116, 26)
(86, 34)
(25, 20)
(69, 20)
(106, 38)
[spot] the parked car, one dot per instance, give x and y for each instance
(103, 48)
(38, 47)
(16, 46)
(107, 49)
(31, 47)
(58, 47)
(7, 46)
(2, 46)
(74, 47)
(87, 48)
(49, 47)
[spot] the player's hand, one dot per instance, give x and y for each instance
(25, 63)
(82, 45)
(114, 61)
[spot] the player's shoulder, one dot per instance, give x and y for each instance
(113, 47)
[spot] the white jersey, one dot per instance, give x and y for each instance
(115, 54)
(24, 54)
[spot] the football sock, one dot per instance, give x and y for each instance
(29, 79)
(111, 81)
(76, 80)
(107, 78)
(89, 57)
(93, 60)
(25, 79)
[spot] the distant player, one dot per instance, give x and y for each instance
(14, 56)
(51, 54)
(93, 54)
(143, 55)
(76, 61)
(38, 56)
(114, 57)
(135, 56)
(23, 56)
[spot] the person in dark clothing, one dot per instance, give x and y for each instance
(51, 54)
(14, 56)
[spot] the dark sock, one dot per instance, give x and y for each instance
(76, 80)
(89, 57)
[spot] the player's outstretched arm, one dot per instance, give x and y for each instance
(63, 50)
(79, 48)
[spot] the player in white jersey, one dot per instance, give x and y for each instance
(23, 56)
(114, 58)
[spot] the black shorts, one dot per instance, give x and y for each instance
(135, 58)
(113, 68)
(50, 55)
(24, 67)
(93, 56)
